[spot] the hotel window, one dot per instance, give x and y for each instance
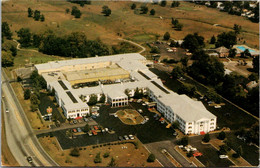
(78, 110)
(190, 123)
(211, 127)
(189, 127)
(212, 120)
(211, 123)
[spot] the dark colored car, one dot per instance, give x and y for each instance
(29, 159)
(120, 138)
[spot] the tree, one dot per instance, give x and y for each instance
(175, 124)
(151, 158)
(144, 9)
(155, 49)
(112, 163)
(232, 52)
(163, 3)
(213, 40)
(67, 10)
(166, 36)
(175, 4)
(174, 22)
(98, 159)
(138, 94)
(30, 12)
(27, 94)
(256, 64)
(221, 135)
(184, 61)
(6, 32)
(133, 6)
(37, 15)
(152, 12)
(226, 39)
(193, 42)
(75, 152)
(34, 99)
(212, 95)
(13, 49)
(187, 89)
(206, 138)
(7, 59)
(183, 141)
(19, 79)
(42, 18)
(92, 100)
(253, 77)
(237, 29)
(102, 99)
(239, 151)
(106, 155)
(178, 27)
(106, 10)
(86, 128)
(177, 72)
(75, 12)
(246, 53)
(25, 37)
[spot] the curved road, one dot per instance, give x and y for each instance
(19, 134)
(138, 45)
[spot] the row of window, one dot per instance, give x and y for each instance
(73, 111)
(122, 99)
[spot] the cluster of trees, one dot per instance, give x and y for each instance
(176, 24)
(124, 47)
(155, 50)
(193, 42)
(205, 69)
(72, 45)
(106, 10)
(38, 83)
(92, 100)
(36, 15)
(98, 158)
(81, 3)
(76, 12)
(144, 9)
(183, 141)
(75, 152)
(251, 135)
(226, 39)
(187, 89)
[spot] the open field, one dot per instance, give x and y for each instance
(124, 156)
(129, 23)
(7, 157)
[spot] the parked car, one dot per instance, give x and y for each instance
(146, 118)
(74, 130)
(29, 159)
(85, 119)
(140, 110)
(223, 156)
(7, 110)
(90, 134)
(79, 130)
(126, 137)
(74, 121)
(120, 138)
(131, 137)
(175, 133)
(144, 104)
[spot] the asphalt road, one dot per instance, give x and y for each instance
(19, 134)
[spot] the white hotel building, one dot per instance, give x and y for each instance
(192, 115)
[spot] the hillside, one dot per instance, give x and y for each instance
(123, 20)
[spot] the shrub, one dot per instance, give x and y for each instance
(189, 154)
(106, 155)
(221, 135)
(206, 138)
(151, 158)
(75, 152)
(98, 159)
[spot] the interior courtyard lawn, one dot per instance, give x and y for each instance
(130, 116)
(125, 155)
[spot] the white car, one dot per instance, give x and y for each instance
(140, 110)
(126, 137)
(7, 110)
(144, 104)
(223, 156)
(131, 137)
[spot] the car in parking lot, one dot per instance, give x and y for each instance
(223, 156)
(131, 137)
(120, 138)
(126, 137)
(74, 121)
(146, 118)
(79, 130)
(29, 159)
(140, 110)
(85, 119)
(7, 110)
(74, 130)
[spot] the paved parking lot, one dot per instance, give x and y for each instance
(210, 157)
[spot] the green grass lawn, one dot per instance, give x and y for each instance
(143, 37)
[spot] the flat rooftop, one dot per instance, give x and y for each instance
(113, 70)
